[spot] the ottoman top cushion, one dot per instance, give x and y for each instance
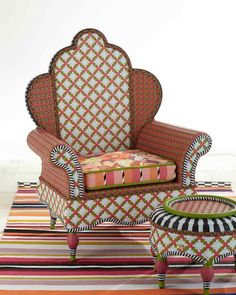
(201, 213)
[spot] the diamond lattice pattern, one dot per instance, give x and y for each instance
(202, 246)
(92, 92)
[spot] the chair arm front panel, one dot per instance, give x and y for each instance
(54, 151)
(183, 146)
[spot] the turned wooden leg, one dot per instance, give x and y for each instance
(73, 241)
(53, 222)
(207, 273)
(161, 268)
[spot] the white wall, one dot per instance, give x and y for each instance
(189, 45)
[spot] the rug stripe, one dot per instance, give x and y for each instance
(35, 258)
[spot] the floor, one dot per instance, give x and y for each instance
(212, 167)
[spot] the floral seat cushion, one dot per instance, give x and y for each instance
(123, 168)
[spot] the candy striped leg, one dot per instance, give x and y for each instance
(207, 274)
(53, 222)
(73, 241)
(161, 268)
(154, 258)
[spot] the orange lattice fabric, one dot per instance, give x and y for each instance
(104, 157)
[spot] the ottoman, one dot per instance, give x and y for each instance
(201, 227)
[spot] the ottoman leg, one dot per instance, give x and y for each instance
(161, 268)
(207, 274)
(73, 241)
(53, 221)
(154, 258)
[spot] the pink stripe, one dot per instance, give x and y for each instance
(163, 173)
(90, 180)
(136, 175)
(110, 178)
(118, 177)
(145, 174)
(113, 271)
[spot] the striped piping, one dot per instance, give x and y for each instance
(175, 253)
(194, 257)
(192, 157)
(62, 156)
(165, 219)
(94, 224)
(217, 259)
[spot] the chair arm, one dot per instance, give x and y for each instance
(183, 146)
(51, 149)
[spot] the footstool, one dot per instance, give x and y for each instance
(201, 227)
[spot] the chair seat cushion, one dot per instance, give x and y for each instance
(123, 168)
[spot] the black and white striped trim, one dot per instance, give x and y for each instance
(198, 225)
(192, 256)
(99, 221)
(70, 172)
(53, 221)
(176, 253)
(27, 184)
(161, 276)
(72, 252)
(200, 138)
(217, 259)
(206, 285)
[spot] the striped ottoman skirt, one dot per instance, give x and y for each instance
(200, 227)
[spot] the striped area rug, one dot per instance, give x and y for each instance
(112, 259)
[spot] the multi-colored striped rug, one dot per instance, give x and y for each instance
(112, 259)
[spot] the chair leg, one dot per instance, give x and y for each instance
(161, 268)
(73, 241)
(207, 274)
(154, 259)
(53, 222)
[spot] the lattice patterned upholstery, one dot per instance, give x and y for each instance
(92, 102)
(40, 102)
(92, 93)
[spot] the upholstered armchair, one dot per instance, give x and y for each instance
(104, 158)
